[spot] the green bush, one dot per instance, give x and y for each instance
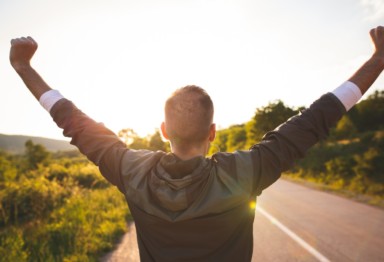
(87, 224)
(63, 210)
(12, 245)
(88, 176)
(28, 199)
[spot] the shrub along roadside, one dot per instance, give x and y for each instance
(86, 225)
(59, 210)
(354, 168)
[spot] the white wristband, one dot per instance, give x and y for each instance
(348, 93)
(49, 98)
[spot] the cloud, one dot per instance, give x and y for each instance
(373, 9)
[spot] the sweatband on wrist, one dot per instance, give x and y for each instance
(348, 93)
(49, 98)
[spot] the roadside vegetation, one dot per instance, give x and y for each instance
(56, 207)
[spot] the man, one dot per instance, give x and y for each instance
(188, 207)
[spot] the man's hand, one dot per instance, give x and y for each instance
(370, 71)
(22, 51)
(377, 35)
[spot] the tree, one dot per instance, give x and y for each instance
(345, 128)
(156, 142)
(340, 167)
(370, 164)
(251, 136)
(220, 142)
(237, 138)
(128, 135)
(35, 154)
(8, 171)
(269, 117)
(134, 141)
(368, 115)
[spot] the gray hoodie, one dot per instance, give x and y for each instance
(199, 209)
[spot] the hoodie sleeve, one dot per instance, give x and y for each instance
(290, 141)
(94, 140)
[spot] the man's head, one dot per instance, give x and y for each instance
(188, 118)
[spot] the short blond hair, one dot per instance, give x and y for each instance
(188, 116)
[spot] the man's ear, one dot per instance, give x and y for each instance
(212, 132)
(163, 131)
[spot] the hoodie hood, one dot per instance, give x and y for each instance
(176, 183)
(167, 187)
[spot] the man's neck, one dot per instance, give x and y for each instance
(187, 156)
(192, 153)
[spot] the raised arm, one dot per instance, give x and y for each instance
(22, 51)
(93, 139)
(291, 140)
(370, 71)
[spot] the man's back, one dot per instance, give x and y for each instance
(196, 209)
(217, 237)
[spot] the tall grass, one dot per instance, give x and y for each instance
(63, 211)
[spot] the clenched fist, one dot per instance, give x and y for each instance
(377, 35)
(22, 51)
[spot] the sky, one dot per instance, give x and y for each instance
(118, 60)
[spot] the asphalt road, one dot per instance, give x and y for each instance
(296, 223)
(337, 228)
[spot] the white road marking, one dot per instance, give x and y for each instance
(292, 235)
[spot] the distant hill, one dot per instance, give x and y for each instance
(15, 143)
